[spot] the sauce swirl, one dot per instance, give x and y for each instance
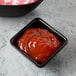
(38, 43)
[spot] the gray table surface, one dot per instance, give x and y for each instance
(61, 14)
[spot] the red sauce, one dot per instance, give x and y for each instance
(38, 43)
(16, 2)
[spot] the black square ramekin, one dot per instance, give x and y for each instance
(39, 23)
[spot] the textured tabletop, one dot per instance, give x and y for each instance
(61, 14)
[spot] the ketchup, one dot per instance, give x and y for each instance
(16, 2)
(38, 43)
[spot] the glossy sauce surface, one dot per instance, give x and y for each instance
(16, 2)
(38, 43)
